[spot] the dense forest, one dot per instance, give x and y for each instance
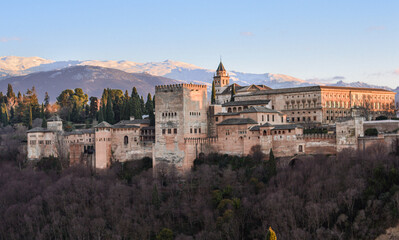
(74, 107)
(354, 195)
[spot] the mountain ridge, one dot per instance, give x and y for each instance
(12, 66)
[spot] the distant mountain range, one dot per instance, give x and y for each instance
(93, 76)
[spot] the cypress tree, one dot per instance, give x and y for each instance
(109, 112)
(233, 92)
(44, 122)
(12, 113)
(150, 109)
(142, 105)
(135, 106)
(42, 111)
(213, 96)
(272, 165)
(30, 117)
(46, 100)
(93, 107)
(4, 114)
(10, 92)
(100, 116)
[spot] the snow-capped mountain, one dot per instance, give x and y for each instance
(11, 65)
(91, 79)
(183, 72)
(171, 69)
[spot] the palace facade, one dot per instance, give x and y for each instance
(186, 124)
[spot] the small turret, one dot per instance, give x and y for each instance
(54, 123)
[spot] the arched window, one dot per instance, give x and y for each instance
(126, 140)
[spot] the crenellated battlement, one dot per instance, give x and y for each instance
(179, 86)
(201, 140)
(316, 136)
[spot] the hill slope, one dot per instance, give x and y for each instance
(91, 79)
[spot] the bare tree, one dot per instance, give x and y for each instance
(61, 149)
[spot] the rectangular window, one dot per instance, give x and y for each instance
(314, 118)
(199, 130)
(195, 130)
(217, 119)
(191, 130)
(175, 131)
(268, 118)
(293, 119)
(272, 118)
(169, 131)
(163, 131)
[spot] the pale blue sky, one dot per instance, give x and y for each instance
(358, 40)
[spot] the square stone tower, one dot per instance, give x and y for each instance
(180, 112)
(103, 133)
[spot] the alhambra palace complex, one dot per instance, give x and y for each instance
(186, 124)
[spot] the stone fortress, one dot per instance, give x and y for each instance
(186, 124)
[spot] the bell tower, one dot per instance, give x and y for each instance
(221, 79)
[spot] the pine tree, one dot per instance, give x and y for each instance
(271, 235)
(213, 96)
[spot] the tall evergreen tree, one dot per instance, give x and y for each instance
(272, 165)
(213, 96)
(150, 109)
(233, 92)
(135, 106)
(93, 107)
(109, 112)
(42, 111)
(4, 114)
(30, 117)
(10, 92)
(46, 100)
(142, 105)
(100, 117)
(44, 122)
